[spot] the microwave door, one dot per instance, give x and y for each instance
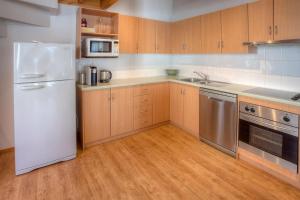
(100, 48)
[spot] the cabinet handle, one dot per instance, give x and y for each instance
(270, 30)
(222, 44)
(276, 29)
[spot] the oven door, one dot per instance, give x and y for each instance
(100, 48)
(274, 138)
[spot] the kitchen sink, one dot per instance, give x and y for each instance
(204, 82)
(192, 80)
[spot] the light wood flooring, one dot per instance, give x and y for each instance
(163, 163)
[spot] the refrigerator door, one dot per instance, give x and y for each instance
(45, 124)
(37, 62)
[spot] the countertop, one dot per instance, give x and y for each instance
(230, 88)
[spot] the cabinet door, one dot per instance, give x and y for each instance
(211, 32)
(286, 19)
(128, 34)
(161, 103)
(177, 37)
(176, 104)
(193, 38)
(235, 29)
(163, 37)
(191, 110)
(95, 115)
(121, 110)
(260, 15)
(147, 39)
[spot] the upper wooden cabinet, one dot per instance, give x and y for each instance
(211, 32)
(101, 4)
(128, 34)
(274, 20)
(146, 36)
(163, 41)
(194, 41)
(261, 20)
(286, 19)
(178, 32)
(121, 110)
(234, 30)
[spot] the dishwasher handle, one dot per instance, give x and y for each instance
(219, 97)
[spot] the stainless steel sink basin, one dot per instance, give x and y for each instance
(191, 80)
(203, 82)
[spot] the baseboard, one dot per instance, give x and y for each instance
(7, 150)
(113, 138)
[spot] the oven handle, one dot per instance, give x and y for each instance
(269, 124)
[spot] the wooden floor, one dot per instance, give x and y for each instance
(163, 163)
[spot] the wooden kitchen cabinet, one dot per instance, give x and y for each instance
(191, 110)
(234, 29)
(211, 32)
(161, 102)
(176, 104)
(163, 32)
(121, 110)
(128, 34)
(178, 37)
(186, 36)
(260, 15)
(286, 19)
(146, 36)
(95, 116)
(184, 107)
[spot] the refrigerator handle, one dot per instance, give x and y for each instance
(28, 76)
(32, 87)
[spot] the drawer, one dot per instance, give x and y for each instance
(143, 122)
(142, 90)
(142, 111)
(144, 100)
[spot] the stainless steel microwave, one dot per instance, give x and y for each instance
(100, 47)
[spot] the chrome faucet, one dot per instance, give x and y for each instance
(203, 76)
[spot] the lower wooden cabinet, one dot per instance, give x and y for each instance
(112, 113)
(184, 107)
(161, 102)
(95, 116)
(121, 110)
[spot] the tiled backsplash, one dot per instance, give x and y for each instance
(275, 66)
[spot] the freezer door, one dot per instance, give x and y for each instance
(36, 62)
(44, 123)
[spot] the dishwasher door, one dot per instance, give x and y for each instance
(218, 120)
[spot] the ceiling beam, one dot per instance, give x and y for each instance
(107, 3)
(100, 4)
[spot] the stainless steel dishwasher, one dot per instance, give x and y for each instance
(218, 120)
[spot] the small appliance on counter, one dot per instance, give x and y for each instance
(91, 75)
(104, 76)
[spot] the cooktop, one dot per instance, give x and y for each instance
(279, 94)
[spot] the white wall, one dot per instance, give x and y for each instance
(62, 30)
(188, 8)
(154, 9)
(276, 67)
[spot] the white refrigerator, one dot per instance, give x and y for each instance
(44, 105)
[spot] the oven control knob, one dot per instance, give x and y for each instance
(252, 110)
(286, 119)
(247, 108)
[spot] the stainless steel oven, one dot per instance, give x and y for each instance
(271, 134)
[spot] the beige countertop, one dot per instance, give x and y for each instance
(230, 88)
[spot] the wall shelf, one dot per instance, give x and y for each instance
(105, 24)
